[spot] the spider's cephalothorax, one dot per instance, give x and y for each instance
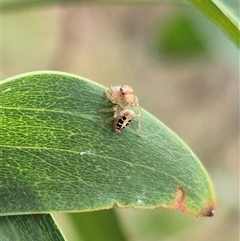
(122, 95)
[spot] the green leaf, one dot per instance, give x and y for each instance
(86, 222)
(55, 157)
(39, 227)
(220, 16)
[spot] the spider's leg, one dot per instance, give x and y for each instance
(111, 96)
(113, 109)
(139, 119)
(106, 121)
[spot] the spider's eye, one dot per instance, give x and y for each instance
(122, 91)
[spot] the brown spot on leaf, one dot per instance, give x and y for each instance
(180, 198)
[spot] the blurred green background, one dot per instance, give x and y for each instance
(184, 71)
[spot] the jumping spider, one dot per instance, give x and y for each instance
(123, 99)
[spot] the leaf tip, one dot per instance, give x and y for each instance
(208, 212)
(179, 203)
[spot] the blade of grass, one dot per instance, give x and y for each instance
(220, 16)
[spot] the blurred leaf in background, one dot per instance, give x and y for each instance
(102, 225)
(179, 37)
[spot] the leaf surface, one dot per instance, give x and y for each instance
(55, 157)
(40, 227)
